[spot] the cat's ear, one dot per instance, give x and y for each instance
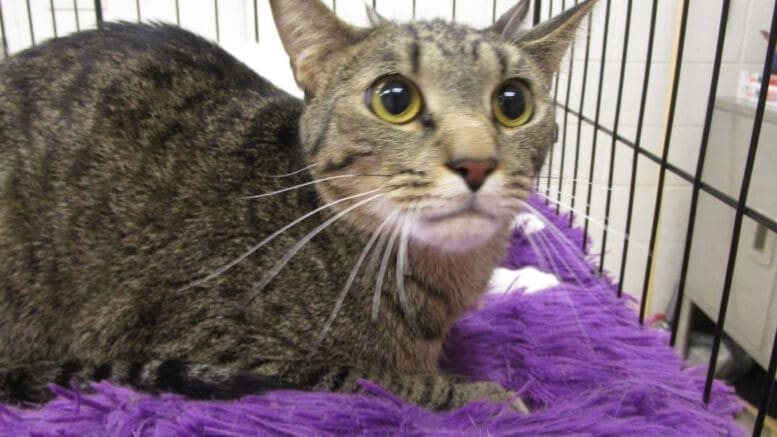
(509, 24)
(548, 42)
(375, 18)
(310, 33)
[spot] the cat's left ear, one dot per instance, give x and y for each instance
(310, 33)
(548, 42)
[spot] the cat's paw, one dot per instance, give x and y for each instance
(486, 390)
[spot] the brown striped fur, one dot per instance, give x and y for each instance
(126, 158)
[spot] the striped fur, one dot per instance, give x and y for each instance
(129, 158)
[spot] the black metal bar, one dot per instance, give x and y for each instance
(756, 215)
(29, 23)
(555, 102)
(664, 160)
(137, 9)
(75, 12)
(616, 125)
(177, 13)
(98, 13)
(2, 31)
(53, 18)
(595, 140)
(566, 124)
(579, 126)
(256, 18)
(413, 10)
(697, 180)
(740, 214)
(768, 388)
(454, 9)
(537, 11)
(493, 12)
(636, 148)
(216, 12)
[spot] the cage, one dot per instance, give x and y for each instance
(664, 154)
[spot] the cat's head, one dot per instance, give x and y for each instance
(450, 123)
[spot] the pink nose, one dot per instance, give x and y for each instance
(474, 171)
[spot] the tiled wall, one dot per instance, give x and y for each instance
(237, 32)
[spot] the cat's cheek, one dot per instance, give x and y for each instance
(456, 234)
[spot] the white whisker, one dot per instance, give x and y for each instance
(258, 246)
(382, 274)
(351, 278)
(400, 269)
(565, 292)
(285, 175)
(609, 228)
(259, 286)
(317, 181)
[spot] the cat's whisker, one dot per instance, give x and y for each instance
(552, 252)
(402, 265)
(579, 256)
(570, 304)
(295, 187)
(560, 237)
(382, 273)
(543, 257)
(286, 175)
(275, 234)
(259, 286)
(351, 278)
(604, 226)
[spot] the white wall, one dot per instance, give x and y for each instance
(744, 49)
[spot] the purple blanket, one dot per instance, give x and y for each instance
(574, 352)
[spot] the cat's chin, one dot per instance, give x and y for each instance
(456, 232)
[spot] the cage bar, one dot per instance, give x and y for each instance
(98, 13)
(638, 139)
(29, 23)
(75, 13)
(53, 18)
(664, 159)
(592, 164)
(697, 180)
(613, 145)
(216, 14)
(2, 31)
(768, 388)
(579, 132)
(740, 210)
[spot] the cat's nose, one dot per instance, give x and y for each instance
(474, 171)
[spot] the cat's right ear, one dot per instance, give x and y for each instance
(310, 33)
(509, 24)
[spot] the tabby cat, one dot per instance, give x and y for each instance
(173, 222)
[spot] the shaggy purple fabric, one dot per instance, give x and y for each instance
(575, 353)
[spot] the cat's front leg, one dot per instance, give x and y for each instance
(434, 391)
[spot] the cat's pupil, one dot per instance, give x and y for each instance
(512, 102)
(395, 97)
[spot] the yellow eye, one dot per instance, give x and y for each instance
(513, 103)
(394, 99)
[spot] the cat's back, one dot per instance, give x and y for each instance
(120, 74)
(125, 154)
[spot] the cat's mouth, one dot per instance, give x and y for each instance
(457, 227)
(468, 211)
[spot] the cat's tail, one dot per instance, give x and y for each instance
(31, 382)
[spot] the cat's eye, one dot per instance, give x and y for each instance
(394, 99)
(512, 103)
